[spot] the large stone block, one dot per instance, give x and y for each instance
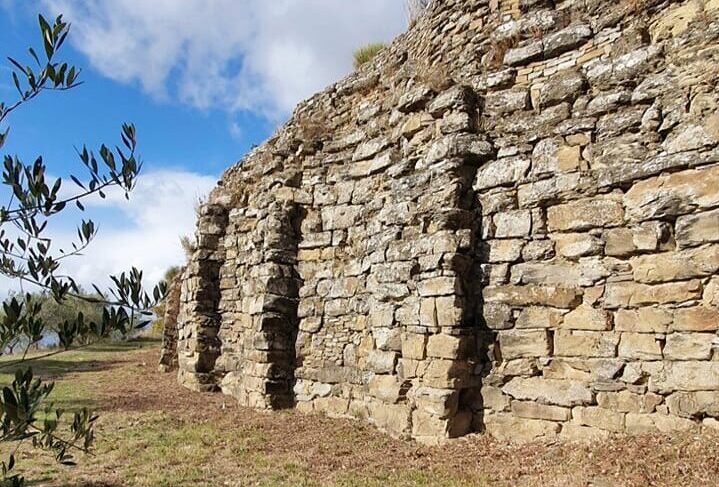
(642, 424)
(698, 318)
(598, 417)
(510, 224)
(629, 402)
(640, 346)
(630, 294)
(683, 376)
(533, 295)
(597, 344)
(689, 346)
(524, 343)
(676, 266)
(643, 320)
(697, 229)
(549, 391)
(585, 214)
(673, 194)
(533, 410)
(509, 428)
(539, 317)
(694, 404)
(587, 318)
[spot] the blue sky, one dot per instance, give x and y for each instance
(203, 80)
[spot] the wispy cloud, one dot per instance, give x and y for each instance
(256, 55)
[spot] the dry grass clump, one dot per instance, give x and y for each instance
(365, 54)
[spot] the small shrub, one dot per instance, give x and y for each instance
(366, 53)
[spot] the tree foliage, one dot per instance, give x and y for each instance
(27, 253)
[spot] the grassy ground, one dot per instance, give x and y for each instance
(153, 433)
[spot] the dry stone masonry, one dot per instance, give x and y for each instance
(507, 222)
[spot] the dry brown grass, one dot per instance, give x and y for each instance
(152, 432)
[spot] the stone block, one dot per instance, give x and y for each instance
(447, 374)
(539, 317)
(439, 286)
(596, 344)
(676, 266)
(556, 297)
(694, 404)
(506, 101)
(697, 318)
(413, 346)
(585, 214)
(387, 388)
(511, 224)
(492, 398)
(686, 376)
(394, 419)
(598, 417)
(643, 320)
(447, 346)
(524, 343)
(584, 434)
(576, 245)
(533, 410)
(549, 391)
(502, 172)
(642, 424)
(587, 318)
(381, 362)
(509, 428)
(442, 403)
(497, 316)
(640, 346)
(505, 250)
(630, 294)
(673, 194)
(689, 346)
(629, 402)
(697, 229)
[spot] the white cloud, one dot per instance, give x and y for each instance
(160, 210)
(258, 55)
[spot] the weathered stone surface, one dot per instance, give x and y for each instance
(524, 343)
(548, 391)
(502, 172)
(585, 343)
(693, 404)
(513, 224)
(673, 194)
(585, 214)
(640, 346)
(533, 410)
(689, 346)
(575, 245)
(587, 318)
(539, 317)
(629, 294)
(629, 402)
(511, 429)
(533, 295)
(598, 417)
(676, 266)
(642, 424)
(643, 320)
(699, 318)
(684, 376)
(697, 229)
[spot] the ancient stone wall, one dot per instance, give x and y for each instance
(509, 221)
(168, 355)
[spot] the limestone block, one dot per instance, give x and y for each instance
(673, 194)
(691, 136)
(387, 339)
(524, 54)
(583, 434)
(585, 214)
(630, 294)
(439, 286)
(387, 388)
(499, 102)
(370, 148)
(558, 273)
(509, 428)
(492, 398)
(497, 316)
(414, 99)
(674, 21)
(533, 295)
(643, 320)
(698, 318)
(598, 417)
(413, 346)
(415, 123)
(337, 217)
(381, 362)
(394, 419)
(447, 346)
(539, 317)
(675, 266)
(505, 250)
(524, 343)
(565, 86)
(629, 402)
(446, 374)
(580, 343)
(549, 391)
(575, 245)
(538, 250)
(697, 229)
(455, 98)
(683, 376)
(502, 172)
(566, 39)
(587, 318)
(689, 346)
(694, 404)
(442, 403)
(513, 224)
(533, 410)
(642, 424)
(641, 346)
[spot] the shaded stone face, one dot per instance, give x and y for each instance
(510, 228)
